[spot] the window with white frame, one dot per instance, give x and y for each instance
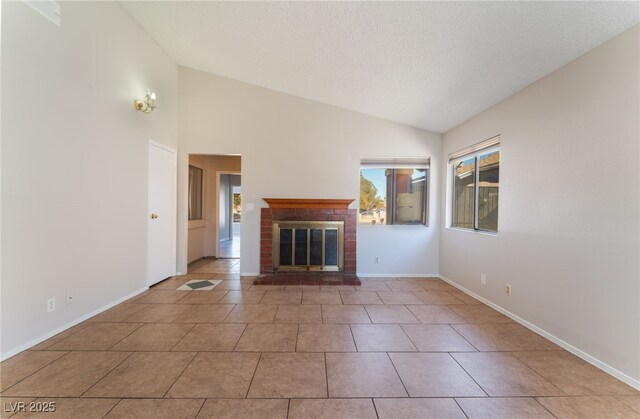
(475, 174)
(393, 191)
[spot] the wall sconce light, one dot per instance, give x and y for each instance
(148, 104)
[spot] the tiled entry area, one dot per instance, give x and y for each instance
(230, 248)
(392, 348)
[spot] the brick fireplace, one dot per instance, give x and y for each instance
(296, 212)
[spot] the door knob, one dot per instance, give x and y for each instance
(154, 216)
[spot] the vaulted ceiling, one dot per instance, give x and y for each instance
(430, 65)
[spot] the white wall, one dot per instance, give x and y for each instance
(195, 249)
(74, 161)
(296, 148)
(569, 230)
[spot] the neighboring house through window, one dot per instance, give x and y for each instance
(475, 173)
(393, 191)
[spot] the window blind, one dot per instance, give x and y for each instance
(491, 142)
(396, 163)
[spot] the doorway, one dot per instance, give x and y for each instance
(213, 220)
(230, 215)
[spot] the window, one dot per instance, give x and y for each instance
(476, 184)
(237, 204)
(195, 193)
(393, 191)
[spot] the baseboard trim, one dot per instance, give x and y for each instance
(248, 274)
(8, 354)
(565, 345)
(363, 275)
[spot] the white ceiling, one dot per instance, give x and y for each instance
(430, 65)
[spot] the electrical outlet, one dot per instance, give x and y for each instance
(376, 260)
(51, 304)
(483, 279)
(68, 298)
(507, 289)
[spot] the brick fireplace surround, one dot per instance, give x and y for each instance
(308, 210)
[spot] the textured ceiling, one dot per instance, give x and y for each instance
(430, 65)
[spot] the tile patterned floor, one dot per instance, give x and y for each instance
(389, 348)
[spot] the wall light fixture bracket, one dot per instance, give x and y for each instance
(148, 104)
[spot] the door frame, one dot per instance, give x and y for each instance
(174, 205)
(217, 209)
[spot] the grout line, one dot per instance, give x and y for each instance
(545, 407)
(253, 376)
(326, 373)
(461, 301)
(130, 333)
(112, 407)
(108, 372)
(461, 335)
(297, 337)
(225, 294)
(229, 313)
(38, 370)
(409, 337)
(353, 338)
(380, 298)
(241, 335)
(467, 372)
(295, 347)
(275, 316)
(183, 336)
(201, 406)
(535, 372)
(375, 408)
(46, 348)
(398, 374)
(180, 375)
(367, 311)
(460, 407)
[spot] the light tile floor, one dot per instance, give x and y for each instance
(230, 248)
(390, 348)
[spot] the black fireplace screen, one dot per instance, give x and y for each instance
(313, 245)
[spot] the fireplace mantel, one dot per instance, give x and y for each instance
(308, 203)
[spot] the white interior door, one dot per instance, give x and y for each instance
(161, 255)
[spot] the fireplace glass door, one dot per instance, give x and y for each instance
(311, 245)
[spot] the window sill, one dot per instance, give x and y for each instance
(480, 232)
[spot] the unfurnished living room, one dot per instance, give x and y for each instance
(320, 209)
